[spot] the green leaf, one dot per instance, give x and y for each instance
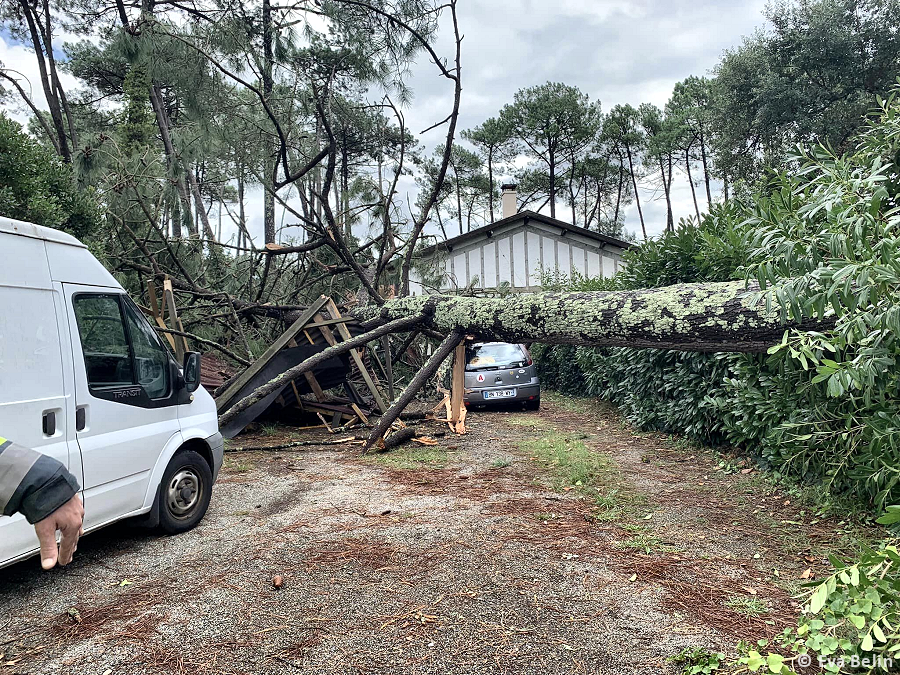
(755, 661)
(819, 596)
(775, 663)
(867, 644)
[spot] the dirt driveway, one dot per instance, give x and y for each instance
(552, 542)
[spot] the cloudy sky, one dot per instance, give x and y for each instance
(617, 51)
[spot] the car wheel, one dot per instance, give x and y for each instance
(184, 493)
(533, 405)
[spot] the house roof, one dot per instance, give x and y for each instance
(524, 216)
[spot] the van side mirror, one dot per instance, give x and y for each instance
(191, 371)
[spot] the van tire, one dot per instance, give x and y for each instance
(184, 492)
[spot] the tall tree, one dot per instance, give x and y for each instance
(810, 75)
(662, 140)
(553, 122)
(623, 132)
(691, 106)
(492, 140)
(32, 22)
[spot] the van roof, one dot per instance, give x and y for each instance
(22, 229)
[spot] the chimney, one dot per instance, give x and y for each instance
(508, 199)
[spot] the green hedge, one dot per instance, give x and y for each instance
(822, 242)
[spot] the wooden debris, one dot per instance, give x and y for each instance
(398, 438)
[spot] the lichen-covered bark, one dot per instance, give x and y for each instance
(691, 317)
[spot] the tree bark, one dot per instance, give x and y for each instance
(173, 161)
(421, 378)
(687, 166)
(637, 199)
(269, 153)
(705, 169)
(714, 317)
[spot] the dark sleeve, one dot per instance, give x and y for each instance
(32, 483)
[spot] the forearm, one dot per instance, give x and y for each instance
(32, 483)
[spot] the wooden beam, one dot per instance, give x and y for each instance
(388, 364)
(157, 315)
(357, 359)
(310, 378)
(169, 303)
(458, 382)
(273, 349)
(359, 413)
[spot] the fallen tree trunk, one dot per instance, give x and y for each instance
(714, 317)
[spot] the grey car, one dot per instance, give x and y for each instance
(499, 372)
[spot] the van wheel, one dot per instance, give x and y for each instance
(533, 405)
(184, 493)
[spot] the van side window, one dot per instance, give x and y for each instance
(107, 355)
(151, 359)
(120, 349)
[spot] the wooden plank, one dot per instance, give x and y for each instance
(151, 294)
(458, 382)
(388, 365)
(318, 322)
(169, 296)
(315, 386)
(359, 413)
(184, 339)
(357, 359)
(157, 315)
(325, 422)
(334, 322)
(461, 425)
(273, 349)
(310, 378)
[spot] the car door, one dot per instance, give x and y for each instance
(126, 410)
(36, 392)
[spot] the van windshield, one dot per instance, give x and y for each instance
(494, 356)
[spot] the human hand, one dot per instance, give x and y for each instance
(67, 519)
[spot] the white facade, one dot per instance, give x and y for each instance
(516, 250)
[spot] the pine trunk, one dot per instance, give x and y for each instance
(715, 317)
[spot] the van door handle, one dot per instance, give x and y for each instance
(48, 423)
(80, 419)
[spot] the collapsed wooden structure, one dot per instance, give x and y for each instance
(319, 330)
(320, 326)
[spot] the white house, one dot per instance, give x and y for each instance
(515, 250)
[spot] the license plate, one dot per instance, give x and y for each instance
(500, 393)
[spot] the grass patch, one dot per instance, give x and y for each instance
(269, 429)
(644, 540)
(747, 606)
(501, 463)
(574, 466)
(238, 463)
(577, 404)
(411, 457)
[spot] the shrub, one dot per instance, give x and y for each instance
(821, 243)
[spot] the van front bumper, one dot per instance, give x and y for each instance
(217, 447)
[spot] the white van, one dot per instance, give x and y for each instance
(85, 379)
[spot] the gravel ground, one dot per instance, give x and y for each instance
(469, 563)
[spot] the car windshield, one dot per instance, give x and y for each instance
(494, 355)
